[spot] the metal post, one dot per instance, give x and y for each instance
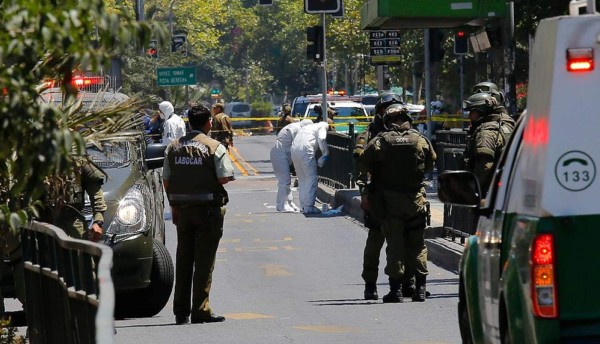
(427, 82)
(462, 82)
(324, 84)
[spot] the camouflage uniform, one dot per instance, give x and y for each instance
(84, 177)
(398, 159)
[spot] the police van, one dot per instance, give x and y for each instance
(531, 272)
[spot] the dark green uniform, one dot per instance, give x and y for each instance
(375, 238)
(399, 159)
(84, 177)
(193, 165)
(487, 138)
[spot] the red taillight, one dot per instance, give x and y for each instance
(543, 281)
(580, 60)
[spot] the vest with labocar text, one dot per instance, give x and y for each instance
(402, 168)
(193, 179)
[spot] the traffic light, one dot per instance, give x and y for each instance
(265, 2)
(321, 6)
(178, 43)
(314, 48)
(153, 49)
(461, 43)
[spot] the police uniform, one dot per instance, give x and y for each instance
(399, 159)
(192, 167)
(285, 118)
(84, 177)
(375, 238)
(222, 130)
(486, 140)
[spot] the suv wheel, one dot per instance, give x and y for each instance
(151, 300)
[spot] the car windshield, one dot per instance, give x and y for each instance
(344, 112)
(369, 100)
(110, 155)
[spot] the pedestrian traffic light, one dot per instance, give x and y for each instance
(314, 48)
(152, 50)
(179, 43)
(321, 6)
(461, 43)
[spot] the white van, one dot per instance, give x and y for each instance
(238, 110)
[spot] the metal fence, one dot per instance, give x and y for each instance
(338, 172)
(69, 290)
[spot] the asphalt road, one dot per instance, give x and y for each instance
(288, 278)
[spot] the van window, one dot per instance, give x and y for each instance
(240, 108)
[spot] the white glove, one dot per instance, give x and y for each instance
(322, 160)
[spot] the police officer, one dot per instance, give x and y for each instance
(490, 130)
(285, 118)
(331, 113)
(375, 238)
(398, 160)
(86, 177)
(222, 130)
(196, 167)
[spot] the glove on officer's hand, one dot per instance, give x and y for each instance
(322, 160)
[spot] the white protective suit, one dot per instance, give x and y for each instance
(281, 160)
(174, 125)
(304, 148)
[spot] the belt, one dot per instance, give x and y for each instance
(203, 197)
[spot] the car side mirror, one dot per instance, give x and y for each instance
(155, 155)
(459, 188)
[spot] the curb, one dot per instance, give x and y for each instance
(441, 251)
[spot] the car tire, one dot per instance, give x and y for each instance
(463, 315)
(151, 300)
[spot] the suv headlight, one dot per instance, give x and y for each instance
(130, 216)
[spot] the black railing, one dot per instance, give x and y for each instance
(68, 287)
(338, 172)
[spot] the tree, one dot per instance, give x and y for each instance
(42, 41)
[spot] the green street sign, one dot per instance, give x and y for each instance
(176, 76)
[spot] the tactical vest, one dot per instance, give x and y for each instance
(403, 166)
(193, 178)
(498, 130)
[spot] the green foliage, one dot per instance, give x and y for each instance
(41, 41)
(261, 109)
(8, 333)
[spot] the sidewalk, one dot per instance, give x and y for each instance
(441, 251)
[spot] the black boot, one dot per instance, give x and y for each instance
(395, 294)
(371, 291)
(420, 290)
(408, 287)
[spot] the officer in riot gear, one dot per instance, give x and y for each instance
(490, 130)
(398, 160)
(196, 167)
(375, 238)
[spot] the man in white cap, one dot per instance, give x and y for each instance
(174, 124)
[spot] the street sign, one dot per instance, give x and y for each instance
(176, 76)
(385, 46)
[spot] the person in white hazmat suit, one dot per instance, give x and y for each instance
(281, 161)
(174, 124)
(304, 148)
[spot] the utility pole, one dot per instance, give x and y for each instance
(427, 82)
(324, 80)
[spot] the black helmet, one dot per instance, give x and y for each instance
(395, 110)
(483, 102)
(489, 87)
(386, 100)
